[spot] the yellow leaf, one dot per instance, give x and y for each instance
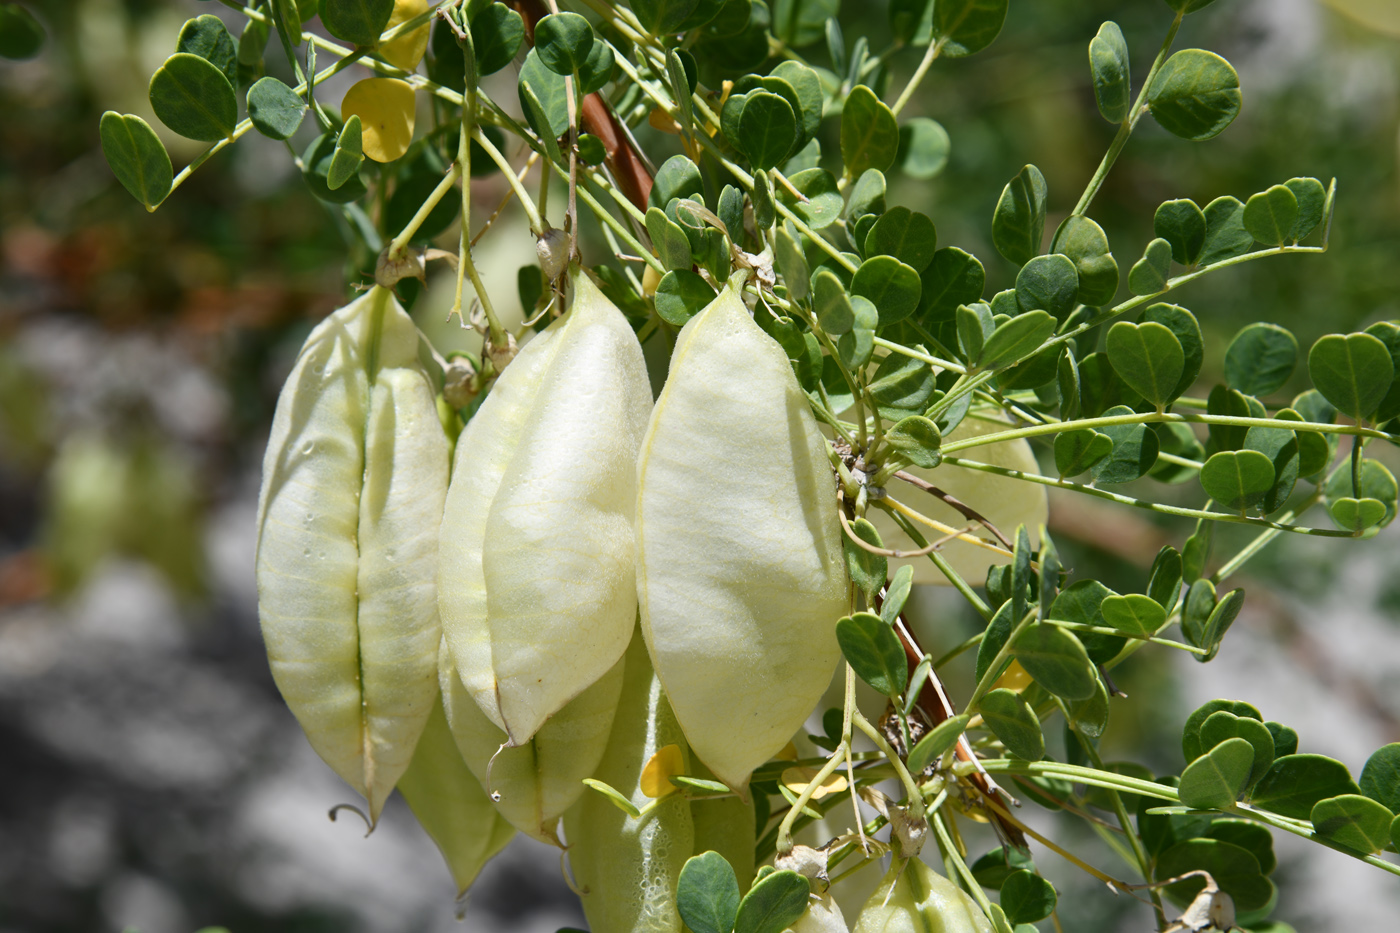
(385, 108)
(1013, 678)
(797, 779)
(656, 776)
(789, 753)
(407, 50)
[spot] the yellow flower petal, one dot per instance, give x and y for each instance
(407, 50)
(656, 776)
(385, 108)
(797, 779)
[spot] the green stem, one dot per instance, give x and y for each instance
(399, 244)
(943, 566)
(1075, 773)
(526, 202)
(1142, 503)
(993, 671)
(1126, 129)
(911, 786)
(1306, 831)
(917, 77)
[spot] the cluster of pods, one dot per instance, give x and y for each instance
(587, 578)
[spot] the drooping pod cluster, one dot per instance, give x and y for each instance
(353, 486)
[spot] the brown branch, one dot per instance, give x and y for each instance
(966, 510)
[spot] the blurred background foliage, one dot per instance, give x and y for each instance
(141, 354)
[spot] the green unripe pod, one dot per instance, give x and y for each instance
(914, 898)
(353, 486)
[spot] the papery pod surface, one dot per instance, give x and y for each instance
(739, 566)
(450, 805)
(1002, 500)
(537, 586)
(914, 898)
(626, 867)
(725, 825)
(353, 488)
(535, 782)
(822, 916)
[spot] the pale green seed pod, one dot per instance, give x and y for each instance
(537, 586)
(914, 898)
(627, 867)
(822, 916)
(353, 486)
(1004, 501)
(450, 805)
(740, 574)
(536, 782)
(725, 825)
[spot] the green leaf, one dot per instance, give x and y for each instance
(1356, 515)
(902, 384)
(1380, 778)
(497, 34)
(856, 346)
(868, 571)
(1226, 236)
(1081, 602)
(409, 194)
(923, 148)
(1136, 615)
(1377, 482)
(818, 186)
(773, 904)
(1078, 451)
(319, 159)
(918, 439)
(348, 154)
(137, 157)
(1182, 224)
(1015, 339)
(1353, 372)
(21, 35)
(907, 236)
(1135, 450)
(1353, 821)
(1164, 578)
(671, 244)
(975, 325)
(831, 303)
(1085, 243)
(1056, 660)
(563, 42)
(1108, 65)
(953, 278)
(967, 26)
(1271, 215)
(896, 594)
(289, 14)
(1250, 836)
(1089, 717)
(767, 129)
(1026, 897)
(1209, 634)
(874, 652)
(1188, 6)
(1018, 224)
(707, 894)
(678, 177)
(1148, 358)
(1223, 724)
(1149, 274)
(1235, 869)
(1238, 480)
(274, 108)
(808, 90)
(1216, 779)
(1260, 359)
(890, 285)
(251, 44)
(615, 796)
(1048, 283)
(868, 195)
(1191, 747)
(1183, 325)
(1296, 783)
(997, 632)
(992, 869)
(802, 22)
(208, 37)
(938, 740)
(680, 295)
(1012, 720)
(1196, 95)
(869, 133)
(1312, 199)
(357, 21)
(193, 98)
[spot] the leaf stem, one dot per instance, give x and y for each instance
(934, 47)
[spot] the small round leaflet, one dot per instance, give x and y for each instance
(137, 157)
(193, 98)
(385, 109)
(274, 108)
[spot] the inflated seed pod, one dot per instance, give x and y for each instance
(537, 587)
(724, 825)
(823, 916)
(536, 782)
(450, 805)
(353, 486)
(1002, 500)
(627, 867)
(914, 898)
(740, 574)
